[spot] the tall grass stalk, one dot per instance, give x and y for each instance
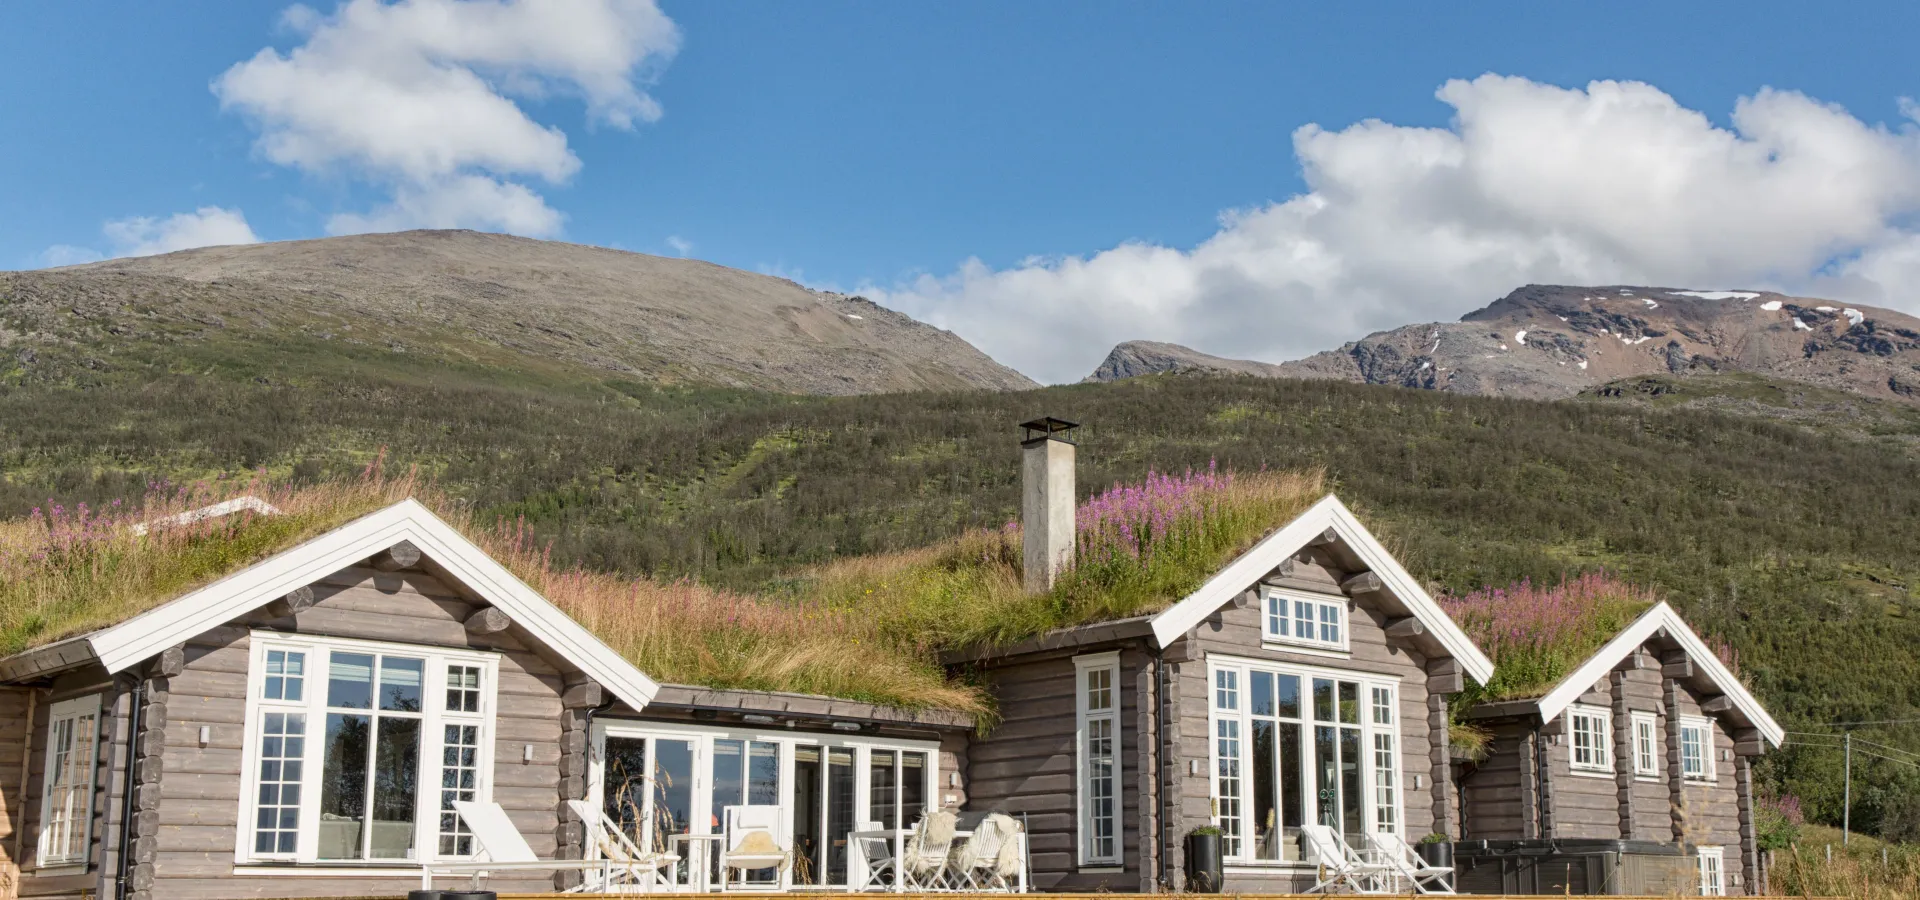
(1803, 870)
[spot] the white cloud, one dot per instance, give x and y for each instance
(208, 226)
(418, 97)
(680, 246)
(1530, 183)
(67, 255)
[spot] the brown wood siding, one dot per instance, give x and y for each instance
(1493, 791)
(15, 732)
(1026, 766)
(200, 802)
(106, 783)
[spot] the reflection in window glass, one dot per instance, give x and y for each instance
(400, 683)
(350, 681)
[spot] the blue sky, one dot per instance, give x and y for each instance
(882, 145)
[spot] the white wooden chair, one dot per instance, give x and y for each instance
(992, 859)
(924, 863)
(505, 851)
(877, 851)
(1402, 862)
(631, 865)
(1340, 869)
(754, 841)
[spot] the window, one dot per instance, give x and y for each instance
(66, 810)
(1696, 749)
(1713, 879)
(653, 779)
(356, 751)
(1592, 736)
(1099, 757)
(1295, 745)
(1646, 730)
(1306, 619)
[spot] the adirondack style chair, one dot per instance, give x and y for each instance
(631, 865)
(1340, 869)
(506, 851)
(1402, 862)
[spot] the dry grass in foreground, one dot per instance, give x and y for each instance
(1859, 871)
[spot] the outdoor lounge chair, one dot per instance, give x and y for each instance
(753, 842)
(506, 851)
(1402, 862)
(631, 865)
(1340, 869)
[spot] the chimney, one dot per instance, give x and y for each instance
(1046, 500)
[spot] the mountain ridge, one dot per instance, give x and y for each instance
(1557, 341)
(486, 300)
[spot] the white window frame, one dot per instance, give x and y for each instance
(1708, 771)
(1087, 718)
(1713, 871)
(313, 705)
(703, 816)
(1599, 730)
(1228, 678)
(72, 711)
(1281, 614)
(1646, 744)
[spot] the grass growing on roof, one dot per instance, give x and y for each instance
(69, 571)
(866, 628)
(1140, 548)
(1537, 635)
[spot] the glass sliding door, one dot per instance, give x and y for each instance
(658, 780)
(840, 798)
(809, 815)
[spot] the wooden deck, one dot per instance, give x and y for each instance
(1037, 895)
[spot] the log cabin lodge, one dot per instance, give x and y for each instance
(301, 726)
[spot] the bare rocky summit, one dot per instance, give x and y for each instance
(1555, 341)
(496, 302)
(1134, 358)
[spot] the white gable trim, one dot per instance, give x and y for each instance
(153, 631)
(1660, 619)
(1169, 625)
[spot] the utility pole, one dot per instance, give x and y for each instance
(1846, 793)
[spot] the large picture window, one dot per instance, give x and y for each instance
(1296, 745)
(1097, 677)
(66, 810)
(356, 750)
(1308, 619)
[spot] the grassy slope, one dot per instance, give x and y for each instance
(1791, 541)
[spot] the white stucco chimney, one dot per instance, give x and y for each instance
(1046, 501)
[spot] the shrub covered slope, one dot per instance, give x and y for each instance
(1792, 541)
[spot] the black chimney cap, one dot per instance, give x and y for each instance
(1048, 427)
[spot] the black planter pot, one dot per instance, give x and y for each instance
(1440, 854)
(1205, 867)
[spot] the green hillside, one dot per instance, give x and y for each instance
(1790, 538)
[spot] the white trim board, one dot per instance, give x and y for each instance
(1329, 513)
(1661, 619)
(153, 631)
